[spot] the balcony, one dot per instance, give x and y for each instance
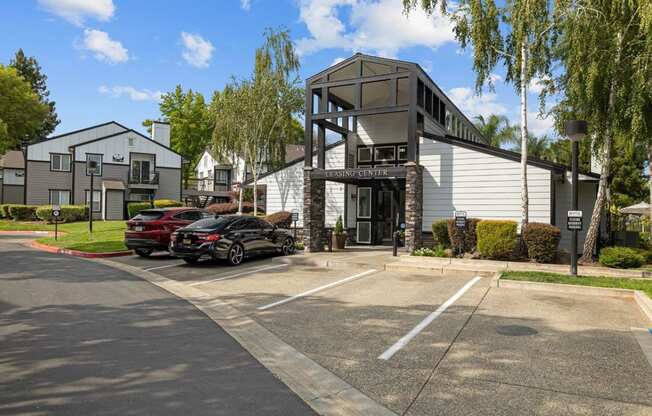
(150, 181)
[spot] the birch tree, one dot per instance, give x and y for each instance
(518, 35)
(605, 51)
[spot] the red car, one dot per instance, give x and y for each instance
(150, 230)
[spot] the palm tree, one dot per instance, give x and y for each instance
(538, 147)
(497, 130)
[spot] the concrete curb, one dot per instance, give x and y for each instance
(75, 253)
(34, 233)
(326, 393)
(644, 338)
(641, 299)
(500, 266)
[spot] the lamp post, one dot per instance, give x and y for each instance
(92, 167)
(575, 130)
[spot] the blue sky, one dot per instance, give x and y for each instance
(111, 59)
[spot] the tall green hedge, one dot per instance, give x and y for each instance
(541, 241)
(69, 213)
(497, 239)
(4, 210)
(440, 233)
(133, 208)
(23, 212)
(167, 203)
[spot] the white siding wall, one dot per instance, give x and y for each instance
(42, 150)
(382, 128)
(119, 145)
(14, 176)
(285, 188)
(486, 186)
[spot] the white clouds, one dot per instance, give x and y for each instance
(76, 11)
(540, 126)
(536, 85)
(494, 78)
(103, 47)
(245, 4)
(132, 93)
(378, 27)
(337, 60)
(197, 50)
(473, 105)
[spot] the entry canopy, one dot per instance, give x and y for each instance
(642, 208)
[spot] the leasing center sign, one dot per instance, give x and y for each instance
(360, 173)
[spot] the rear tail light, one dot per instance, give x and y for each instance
(212, 237)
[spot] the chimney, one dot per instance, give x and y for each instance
(161, 132)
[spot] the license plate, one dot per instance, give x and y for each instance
(138, 228)
(186, 242)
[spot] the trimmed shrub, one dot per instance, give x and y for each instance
(69, 213)
(281, 219)
(541, 241)
(644, 237)
(133, 208)
(228, 208)
(167, 203)
(23, 212)
(646, 254)
(4, 210)
(620, 257)
(440, 233)
(463, 239)
(497, 239)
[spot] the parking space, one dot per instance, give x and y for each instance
(424, 345)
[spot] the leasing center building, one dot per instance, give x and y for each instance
(392, 151)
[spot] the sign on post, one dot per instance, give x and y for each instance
(574, 221)
(295, 215)
(460, 219)
(56, 213)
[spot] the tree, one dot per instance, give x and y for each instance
(30, 70)
(520, 35)
(263, 106)
(21, 111)
(605, 50)
(537, 146)
(191, 124)
(497, 130)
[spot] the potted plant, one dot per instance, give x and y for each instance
(339, 235)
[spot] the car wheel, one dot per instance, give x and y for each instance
(144, 252)
(288, 247)
(236, 255)
(191, 260)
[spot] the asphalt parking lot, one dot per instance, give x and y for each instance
(450, 345)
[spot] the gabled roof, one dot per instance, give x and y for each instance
(13, 159)
(505, 154)
(81, 130)
(123, 132)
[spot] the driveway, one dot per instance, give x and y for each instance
(81, 338)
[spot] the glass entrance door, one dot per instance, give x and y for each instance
(363, 225)
(386, 216)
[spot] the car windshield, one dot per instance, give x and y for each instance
(148, 215)
(209, 223)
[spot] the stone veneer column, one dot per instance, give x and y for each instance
(314, 196)
(413, 205)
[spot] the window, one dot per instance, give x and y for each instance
(141, 171)
(191, 216)
(420, 88)
(435, 108)
(210, 174)
(364, 232)
(364, 202)
(442, 113)
(60, 162)
(97, 158)
(222, 176)
(428, 101)
(97, 200)
(59, 197)
(384, 154)
(402, 152)
(364, 154)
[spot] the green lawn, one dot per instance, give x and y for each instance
(614, 282)
(107, 235)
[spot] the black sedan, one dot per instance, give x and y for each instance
(230, 237)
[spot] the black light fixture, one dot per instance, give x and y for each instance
(575, 130)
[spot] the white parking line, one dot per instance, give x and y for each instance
(427, 321)
(149, 269)
(317, 289)
(231, 276)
